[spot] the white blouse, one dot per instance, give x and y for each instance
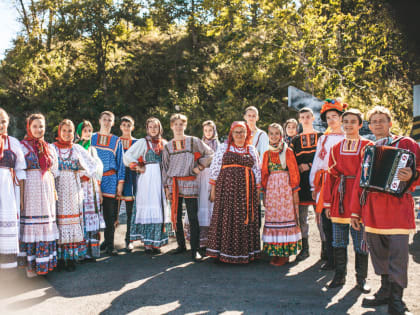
(322, 163)
(216, 164)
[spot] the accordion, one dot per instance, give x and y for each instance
(380, 169)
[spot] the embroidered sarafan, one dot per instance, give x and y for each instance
(110, 151)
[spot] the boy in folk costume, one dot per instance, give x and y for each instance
(280, 181)
(344, 162)
(184, 157)
(304, 147)
(387, 219)
(127, 127)
(259, 139)
(330, 113)
(110, 151)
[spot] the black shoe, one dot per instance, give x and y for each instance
(327, 266)
(156, 250)
(178, 250)
(362, 286)
(340, 256)
(361, 272)
(304, 253)
(196, 256)
(148, 251)
(60, 265)
(396, 305)
(382, 296)
(71, 266)
(112, 252)
(103, 246)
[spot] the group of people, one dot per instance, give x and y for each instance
(56, 198)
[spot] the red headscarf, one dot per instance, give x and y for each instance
(40, 146)
(242, 124)
(60, 143)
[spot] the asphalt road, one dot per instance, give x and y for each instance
(137, 283)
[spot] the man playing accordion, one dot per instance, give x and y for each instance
(387, 219)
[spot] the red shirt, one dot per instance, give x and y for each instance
(345, 160)
(384, 213)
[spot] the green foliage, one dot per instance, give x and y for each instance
(207, 59)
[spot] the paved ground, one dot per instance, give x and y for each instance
(141, 284)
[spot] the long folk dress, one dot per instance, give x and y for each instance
(234, 235)
(12, 166)
(151, 216)
(92, 215)
(38, 227)
(280, 178)
(74, 163)
(205, 206)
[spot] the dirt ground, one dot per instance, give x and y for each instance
(137, 283)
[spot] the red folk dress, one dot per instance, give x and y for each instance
(281, 236)
(384, 213)
(345, 160)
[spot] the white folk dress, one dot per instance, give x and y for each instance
(12, 169)
(205, 206)
(151, 215)
(74, 163)
(92, 215)
(38, 227)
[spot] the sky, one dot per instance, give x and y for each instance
(8, 25)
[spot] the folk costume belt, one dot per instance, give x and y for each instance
(319, 183)
(249, 197)
(175, 196)
(109, 173)
(342, 191)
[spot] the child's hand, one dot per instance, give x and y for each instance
(303, 167)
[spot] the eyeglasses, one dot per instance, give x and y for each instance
(239, 132)
(378, 122)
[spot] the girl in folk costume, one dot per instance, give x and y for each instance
(235, 176)
(291, 130)
(74, 163)
(38, 228)
(151, 217)
(92, 195)
(330, 113)
(12, 175)
(205, 206)
(280, 182)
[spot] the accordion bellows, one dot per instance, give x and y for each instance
(380, 169)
